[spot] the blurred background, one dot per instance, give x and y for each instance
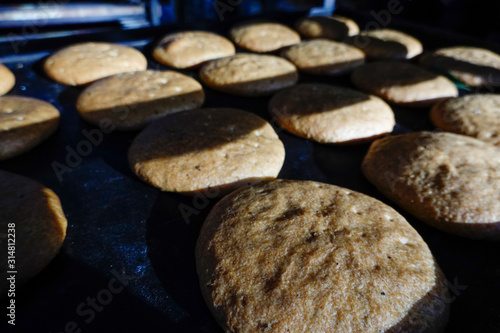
(46, 18)
(476, 18)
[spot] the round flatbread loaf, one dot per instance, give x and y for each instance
(87, 62)
(132, 100)
(472, 66)
(191, 48)
(324, 57)
(403, 84)
(295, 256)
(447, 180)
(207, 149)
(330, 114)
(35, 215)
(386, 44)
(472, 115)
(263, 37)
(24, 123)
(330, 27)
(7, 80)
(249, 74)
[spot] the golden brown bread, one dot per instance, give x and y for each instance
(7, 80)
(83, 63)
(24, 123)
(249, 74)
(324, 57)
(263, 36)
(301, 256)
(403, 83)
(331, 114)
(472, 115)
(206, 149)
(132, 100)
(386, 44)
(447, 180)
(40, 226)
(191, 48)
(330, 27)
(472, 66)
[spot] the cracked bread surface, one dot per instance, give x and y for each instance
(447, 180)
(302, 256)
(472, 115)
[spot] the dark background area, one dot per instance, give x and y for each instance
(478, 18)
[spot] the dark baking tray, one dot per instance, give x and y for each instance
(120, 225)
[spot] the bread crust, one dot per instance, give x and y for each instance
(403, 83)
(386, 44)
(472, 115)
(324, 57)
(190, 49)
(25, 122)
(249, 74)
(7, 80)
(331, 114)
(263, 36)
(330, 27)
(472, 66)
(84, 63)
(297, 256)
(133, 100)
(206, 149)
(40, 225)
(449, 181)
